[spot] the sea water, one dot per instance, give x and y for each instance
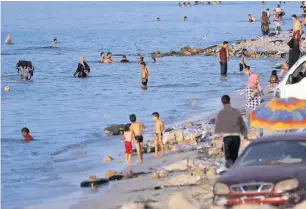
(67, 115)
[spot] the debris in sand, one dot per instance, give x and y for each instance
(182, 180)
(179, 201)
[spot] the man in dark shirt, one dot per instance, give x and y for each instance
(230, 124)
(223, 57)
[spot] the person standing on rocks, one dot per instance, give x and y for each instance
(223, 57)
(136, 130)
(230, 124)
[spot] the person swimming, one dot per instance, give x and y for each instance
(185, 18)
(102, 57)
(55, 41)
(83, 68)
(158, 19)
(108, 58)
(25, 69)
(8, 40)
(25, 132)
(250, 18)
(144, 74)
(124, 59)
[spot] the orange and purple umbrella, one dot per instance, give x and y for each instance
(289, 113)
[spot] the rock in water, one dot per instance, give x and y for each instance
(179, 201)
(107, 159)
(114, 130)
(92, 178)
(163, 174)
(155, 175)
(110, 173)
(177, 166)
(133, 205)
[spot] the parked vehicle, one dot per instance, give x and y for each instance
(294, 82)
(271, 170)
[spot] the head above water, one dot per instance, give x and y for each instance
(278, 6)
(185, 18)
(253, 81)
(225, 99)
(101, 54)
(127, 127)
(123, 57)
(109, 54)
(25, 131)
(153, 59)
(141, 59)
(82, 59)
(133, 118)
(55, 41)
(158, 19)
(155, 115)
(143, 64)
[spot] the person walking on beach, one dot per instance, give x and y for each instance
(127, 136)
(253, 96)
(83, 68)
(136, 130)
(144, 74)
(242, 64)
(159, 128)
(230, 124)
(223, 57)
(264, 23)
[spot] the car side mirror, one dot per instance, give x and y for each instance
(290, 79)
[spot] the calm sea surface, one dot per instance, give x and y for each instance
(67, 115)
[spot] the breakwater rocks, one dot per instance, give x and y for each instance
(268, 47)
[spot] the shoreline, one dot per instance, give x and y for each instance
(155, 192)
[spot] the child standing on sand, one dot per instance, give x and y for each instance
(136, 131)
(127, 136)
(25, 132)
(159, 128)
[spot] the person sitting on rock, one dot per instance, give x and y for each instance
(124, 59)
(250, 18)
(127, 137)
(136, 130)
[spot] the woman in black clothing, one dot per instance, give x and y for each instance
(83, 68)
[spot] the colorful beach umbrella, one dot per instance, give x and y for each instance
(285, 114)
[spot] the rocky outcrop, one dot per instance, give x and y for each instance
(116, 129)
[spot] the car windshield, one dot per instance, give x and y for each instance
(279, 152)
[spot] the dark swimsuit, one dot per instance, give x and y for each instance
(158, 133)
(139, 139)
(144, 81)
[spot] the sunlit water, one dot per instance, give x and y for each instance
(67, 115)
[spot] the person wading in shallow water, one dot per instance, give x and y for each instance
(83, 68)
(230, 124)
(223, 57)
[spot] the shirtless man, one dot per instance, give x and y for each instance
(136, 130)
(108, 58)
(159, 128)
(223, 58)
(144, 74)
(297, 28)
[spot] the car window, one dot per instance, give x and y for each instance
(300, 69)
(269, 153)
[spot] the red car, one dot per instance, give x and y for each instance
(271, 170)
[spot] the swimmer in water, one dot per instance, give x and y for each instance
(8, 40)
(55, 41)
(185, 18)
(268, 12)
(250, 18)
(25, 69)
(144, 74)
(83, 68)
(188, 4)
(158, 19)
(179, 4)
(108, 58)
(124, 59)
(102, 57)
(153, 59)
(25, 132)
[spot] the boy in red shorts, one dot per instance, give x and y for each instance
(127, 136)
(25, 132)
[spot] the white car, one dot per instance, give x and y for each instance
(294, 82)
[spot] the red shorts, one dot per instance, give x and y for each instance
(128, 147)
